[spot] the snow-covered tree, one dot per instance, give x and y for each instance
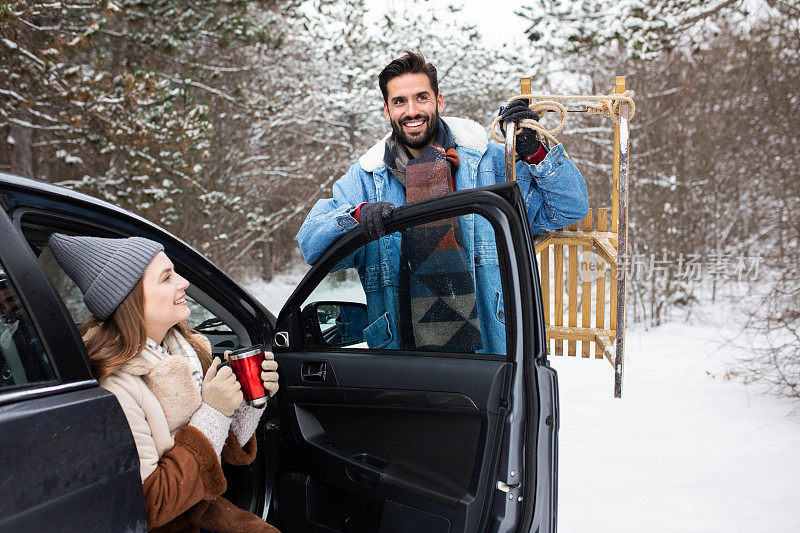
(119, 98)
(640, 29)
(223, 120)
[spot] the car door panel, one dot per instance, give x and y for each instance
(422, 436)
(70, 464)
(387, 370)
(378, 399)
(545, 514)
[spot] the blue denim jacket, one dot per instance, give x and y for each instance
(555, 196)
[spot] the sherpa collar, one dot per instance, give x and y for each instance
(466, 133)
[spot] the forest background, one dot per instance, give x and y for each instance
(225, 120)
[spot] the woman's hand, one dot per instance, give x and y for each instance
(270, 373)
(220, 389)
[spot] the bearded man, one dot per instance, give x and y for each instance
(428, 155)
(22, 359)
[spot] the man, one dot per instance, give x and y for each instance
(12, 371)
(426, 155)
(22, 359)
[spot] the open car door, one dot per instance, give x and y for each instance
(416, 393)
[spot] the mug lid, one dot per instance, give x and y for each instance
(247, 351)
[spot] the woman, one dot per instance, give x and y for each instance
(185, 415)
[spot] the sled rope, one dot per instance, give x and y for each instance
(607, 105)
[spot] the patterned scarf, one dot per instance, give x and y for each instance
(437, 290)
(396, 155)
(396, 158)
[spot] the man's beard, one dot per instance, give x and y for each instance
(14, 315)
(432, 122)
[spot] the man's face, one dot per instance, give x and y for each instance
(9, 306)
(413, 110)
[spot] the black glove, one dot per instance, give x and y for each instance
(372, 216)
(527, 140)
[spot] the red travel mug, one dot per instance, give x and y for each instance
(246, 366)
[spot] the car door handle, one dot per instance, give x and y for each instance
(314, 371)
(367, 469)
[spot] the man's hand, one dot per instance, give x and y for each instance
(528, 140)
(372, 216)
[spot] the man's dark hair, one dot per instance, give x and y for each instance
(411, 63)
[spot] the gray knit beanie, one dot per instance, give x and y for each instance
(105, 269)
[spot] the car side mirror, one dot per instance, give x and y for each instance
(334, 323)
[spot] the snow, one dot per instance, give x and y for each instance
(69, 159)
(274, 293)
(688, 448)
(685, 449)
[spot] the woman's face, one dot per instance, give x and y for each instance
(164, 297)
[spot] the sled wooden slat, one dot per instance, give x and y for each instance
(558, 272)
(572, 290)
(578, 333)
(600, 286)
(615, 181)
(603, 337)
(604, 242)
(586, 286)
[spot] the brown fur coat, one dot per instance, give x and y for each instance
(181, 476)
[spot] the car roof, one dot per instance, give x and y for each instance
(49, 189)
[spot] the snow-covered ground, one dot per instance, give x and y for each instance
(273, 294)
(687, 448)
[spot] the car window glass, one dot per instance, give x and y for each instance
(22, 356)
(204, 320)
(435, 287)
(66, 288)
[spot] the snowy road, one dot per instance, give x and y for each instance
(684, 450)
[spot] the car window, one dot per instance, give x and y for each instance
(67, 289)
(204, 320)
(201, 318)
(435, 287)
(22, 356)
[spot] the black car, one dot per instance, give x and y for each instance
(358, 438)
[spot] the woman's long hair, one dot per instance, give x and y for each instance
(113, 342)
